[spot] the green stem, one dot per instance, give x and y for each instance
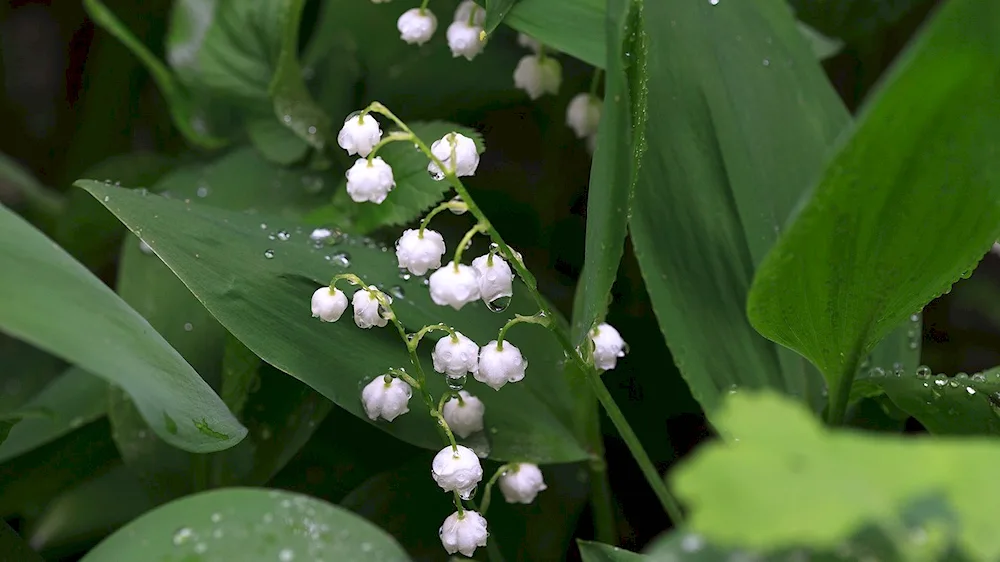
(601, 500)
(460, 249)
(840, 394)
(595, 81)
(391, 137)
(670, 505)
(488, 491)
(458, 505)
(520, 319)
(453, 205)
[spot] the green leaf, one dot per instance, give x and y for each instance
(259, 289)
(867, 250)
(251, 526)
(597, 552)
(183, 110)
(245, 54)
(822, 46)
(14, 548)
(727, 159)
(240, 372)
(59, 306)
(15, 177)
(620, 143)
(855, 20)
(959, 405)
(574, 27)
(496, 11)
(275, 141)
(415, 190)
(73, 399)
(790, 482)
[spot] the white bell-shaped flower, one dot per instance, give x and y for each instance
(370, 181)
(464, 415)
(528, 42)
(457, 470)
(469, 9)
(466, 155)
(499, 366)
(538, 75)
(496, 280)
(359, 135)
(416, 25)
(608, 346)
(463, 532)
(367, 310)
(463, 39)
(418, 252)
(386, 399)
(328, 304)
(456, 356)
(454, 286)
(521, 483)
(583, 114)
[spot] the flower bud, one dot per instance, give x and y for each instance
(463, 532)
(499, 366)
(370, 181)
(521, 483)
(328, 304)
(464, 415)
(466, 155)
(418, 252)
(469, 9)
(359, 135)
(456, 356)
(536, 75)
(457, 470)
(367, 309)
(496, 280)
(463, 39)
(608, 346)
(386, 399)
(583, 115)
(454, 286)
(416, 25)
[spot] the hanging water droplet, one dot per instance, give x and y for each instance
(182, 535)
(456, 383)
(268, 253)
(283, 235)
(499, 304)
(923, 372)
(342, 259)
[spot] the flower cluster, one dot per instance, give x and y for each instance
(466, 37)
(489, 277)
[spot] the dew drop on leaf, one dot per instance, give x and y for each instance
(268, 253)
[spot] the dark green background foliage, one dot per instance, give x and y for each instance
(717, 124)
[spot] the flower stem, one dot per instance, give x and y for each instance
(391, 137)
(488, 491)
(452, 205)
(539, 319)
(481, 226)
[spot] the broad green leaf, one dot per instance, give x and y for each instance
(73, 399)
(867, 250)
(71, 518)
(496, 11)
(59, 306)
(781, 480)
(574, 27)
(415, 190)
(959, 405)
(250, 525)
(14, 548)
(275, 141)
(186, 115)
(597, 552)
(240, 373)
(26, 371)
(15, 177)
(260, 288)
(246, 54)
(730, 147)
(620, 143)
(99, 248)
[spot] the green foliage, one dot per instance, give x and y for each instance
(568, 26)
(597, 552)
(100, 333)
(250, 525)
(259, 288)
(725, 163)
(781, 480)
(867, 250)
